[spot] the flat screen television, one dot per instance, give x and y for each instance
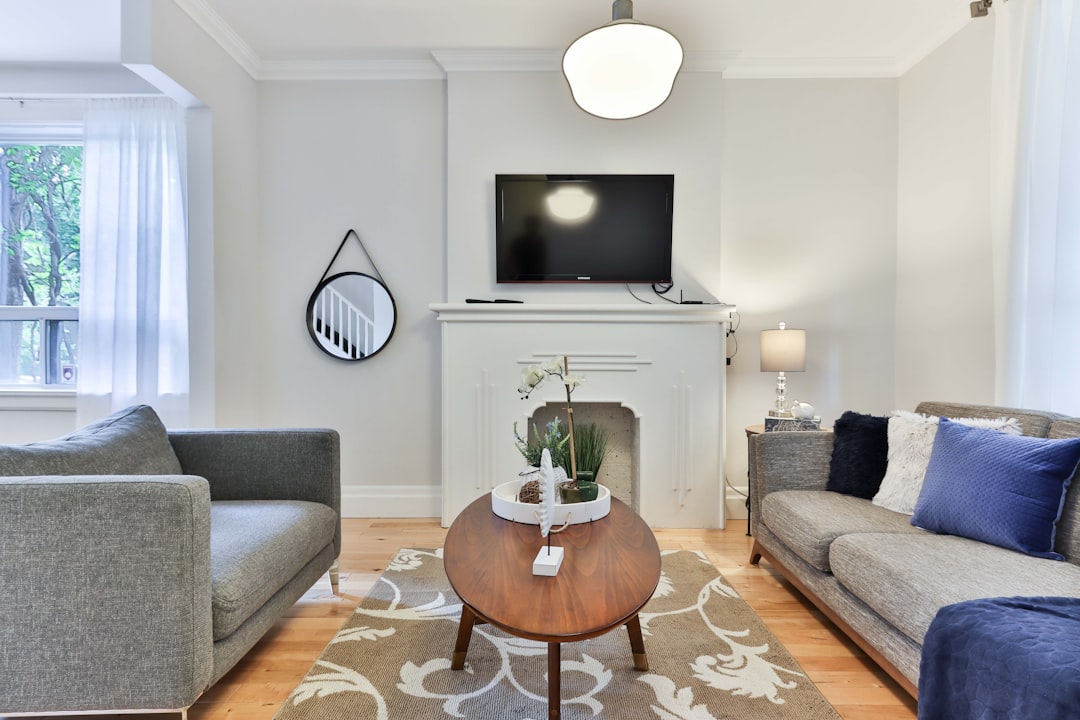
(583, 228)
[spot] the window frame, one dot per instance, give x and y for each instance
(39, 133)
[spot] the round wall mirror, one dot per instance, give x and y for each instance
(351, 316)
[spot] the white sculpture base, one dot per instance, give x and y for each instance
(548, 561)
(504, 504)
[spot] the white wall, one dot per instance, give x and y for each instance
(526, 122)
(808, 237)
(944, 294)
(367, 155)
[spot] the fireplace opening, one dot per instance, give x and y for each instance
(619, 471)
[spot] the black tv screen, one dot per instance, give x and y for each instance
(583, 228)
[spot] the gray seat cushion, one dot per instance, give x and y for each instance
(256, 547)
(808, 521)
(129, 442)
(907, 578)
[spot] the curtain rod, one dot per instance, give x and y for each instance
(75, 98)
(24, 100)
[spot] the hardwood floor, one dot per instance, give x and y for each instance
(255, 688)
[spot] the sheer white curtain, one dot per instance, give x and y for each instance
(1036, 117)
(133, 308)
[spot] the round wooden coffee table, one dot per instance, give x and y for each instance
(610, 570)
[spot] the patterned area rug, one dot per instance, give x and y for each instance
(711, 658)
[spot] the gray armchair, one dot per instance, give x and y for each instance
(138, 566)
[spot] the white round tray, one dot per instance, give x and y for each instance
(504, 504)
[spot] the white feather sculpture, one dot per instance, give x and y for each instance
(546, 512)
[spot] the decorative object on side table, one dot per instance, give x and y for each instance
(778, 424)
(800, 417)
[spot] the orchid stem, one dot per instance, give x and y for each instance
(570, 422)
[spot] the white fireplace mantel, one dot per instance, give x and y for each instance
(664, 362)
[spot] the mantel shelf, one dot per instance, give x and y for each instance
(574, 312)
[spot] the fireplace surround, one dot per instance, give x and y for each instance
(665, 363)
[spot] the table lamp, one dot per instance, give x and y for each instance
(782, 351)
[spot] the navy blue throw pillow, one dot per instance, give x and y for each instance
(860, 454)
(1006, 490)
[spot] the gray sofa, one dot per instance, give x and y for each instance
(877, 577)
(137, 566)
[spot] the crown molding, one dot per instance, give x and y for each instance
(548, 60)
(434, 65)
(730, 64)
(705, 62)
(223, 34)
(396, 67)
(499, 60)
(810, 68)
(390, 67)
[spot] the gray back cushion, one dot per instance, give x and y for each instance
(1034, 423)
(129, 442)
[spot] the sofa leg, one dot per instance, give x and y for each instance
(755, 554)
(333, 579)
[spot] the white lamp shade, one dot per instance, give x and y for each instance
(623, 69)
(783, 350)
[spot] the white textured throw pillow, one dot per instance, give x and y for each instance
(911, 439)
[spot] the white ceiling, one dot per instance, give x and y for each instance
(778, 37)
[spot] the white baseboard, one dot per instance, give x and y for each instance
(735, 504)
(391, 501)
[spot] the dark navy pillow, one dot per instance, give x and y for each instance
(860, 454)
(1006, 490)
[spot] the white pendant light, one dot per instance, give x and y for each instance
(623, 69)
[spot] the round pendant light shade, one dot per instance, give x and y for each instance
(623, 69)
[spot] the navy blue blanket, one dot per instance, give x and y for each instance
(1002, 659)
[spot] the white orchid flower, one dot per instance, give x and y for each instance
(554, 366)
(530, 378)
(572, 381)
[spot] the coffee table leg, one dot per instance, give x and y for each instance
(637, 645)
(554, 688)
(464, 635)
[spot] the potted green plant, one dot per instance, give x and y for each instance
(553, 440)
(591, 442)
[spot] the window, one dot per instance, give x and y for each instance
(40, 189)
